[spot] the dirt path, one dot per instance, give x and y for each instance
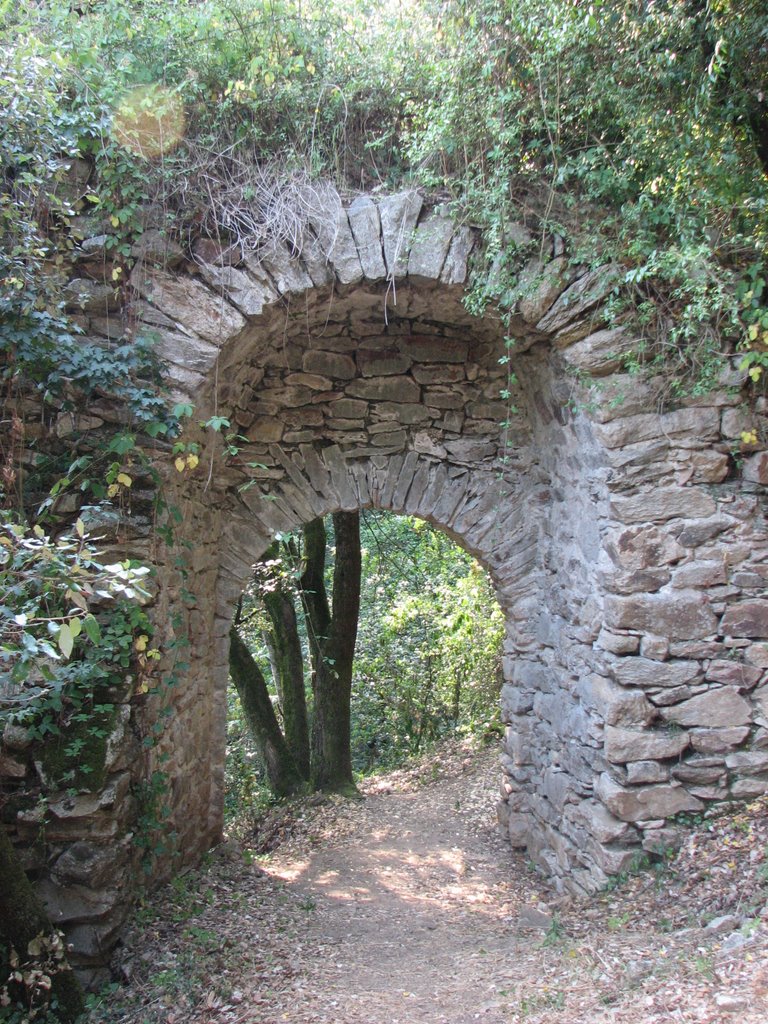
(408, 908)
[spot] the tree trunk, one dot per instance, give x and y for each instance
(282, 773)
(23, 921)
(334, 637)
(289, 677)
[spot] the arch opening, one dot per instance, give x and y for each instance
(427, 658)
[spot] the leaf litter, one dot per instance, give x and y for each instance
(408, 907)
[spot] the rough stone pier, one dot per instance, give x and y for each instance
(625, 535)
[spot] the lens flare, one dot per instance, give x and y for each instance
(149, 121)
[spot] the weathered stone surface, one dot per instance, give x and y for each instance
(539, 286)
(598, 821)
(330, 364)
(456, 262)
(283, 267)
(719, 707)
(430, 348)
(639, 772)
(717, 741)
(366, 229)
(615, 704)
(375, 362)
(385, 389)
(701, 423)
(663, 503)
(154, 246)
(644, 803)
(748, 618)
(600, 353)
(734, 673)
(748, 762)
(755, 468)
(90, 297)
(645, 672)
(249, 295)
(431, 243)
(622, 745)
(190, 303)
(581, 296)
(681, 615)
(332, 228)
(399, 215)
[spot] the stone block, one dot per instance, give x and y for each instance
(644, 803)
(399, 215)
(366, 229)
(699, 423)
(718, 740)
(374, 362)
(600, 353)
(720, 707)
(539, 285)
(190, 303)
(622, 745)
(681, 615)
(385, 389)
(643, 772)
(456, 264)
(755, 469)
(585, 293)
(430, 246)
(432, 348)
(645, 672)
(332, 229)
(734, 673)
(336, 365)
(748, 619)
(663, 503)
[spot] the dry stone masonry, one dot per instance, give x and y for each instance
(626, 546)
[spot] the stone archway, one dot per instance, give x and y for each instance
(628, 562)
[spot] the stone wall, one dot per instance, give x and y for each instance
(626, 548)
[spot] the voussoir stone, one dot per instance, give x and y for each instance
(582, 295)
(681, 615)
(644, 803)
(600, 353)
(748, 619)
(190, 303)
(539, 285)
(332, 228)
(364, 221)
(399, 215)
(431, 243)
(720, 707)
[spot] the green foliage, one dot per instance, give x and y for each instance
(428, 656)
(70, 629)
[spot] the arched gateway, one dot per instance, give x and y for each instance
(629, 564)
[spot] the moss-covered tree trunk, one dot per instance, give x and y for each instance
(25, 929)
(282, 773)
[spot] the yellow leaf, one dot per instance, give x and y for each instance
(755, 373)
(124, 479)
(192, 461)
(180, 464)
(113, 490)
(140, 643)
(116, 273)
(80, 528)
(749, 437)
(753, 331)
(114, 221)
